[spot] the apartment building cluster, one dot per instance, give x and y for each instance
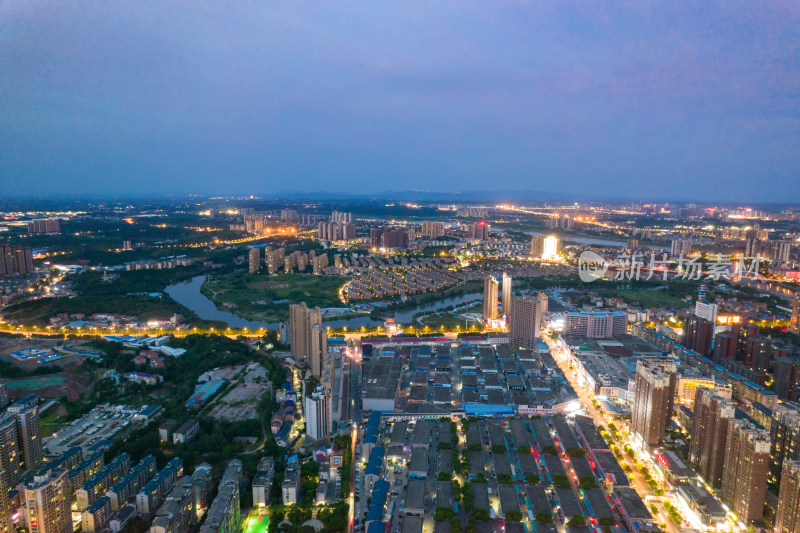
(388, 239)
(15, 260)
(340, 227)
(741, 440)
(263, 221)
(44, 226)
(370, 284)
(158, 264)
(106, 495)
(224, 513)
(277, 259)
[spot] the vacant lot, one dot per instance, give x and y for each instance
(267, 298)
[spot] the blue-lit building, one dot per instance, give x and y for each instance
(377, 504)
(374, 470)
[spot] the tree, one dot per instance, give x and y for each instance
(574, 451)
(588, 482)
(514, 515)
(479, 515)
(577, 520)
(532, 479)
(544, 518)
(443, 513)
(561, 481)
(523, 450)
(499, 448)
(504, 479)
(444, 476)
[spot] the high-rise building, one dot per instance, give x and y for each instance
(15, 260)
(698, 334)
(489, 298)
(680, 246)
(255, 260)
(632, 244)
(745, 332)
(336, 231)
(392, 239)
(654, 393)
(559, 221)
(341, 216)
(309, 339)
(757, 352)
(707, 311)
(6, 522)
(785, 378)
(318, 352)
(752, 246)
(3, 395)
(781, 251)
(712, 412)
(274, 259)
(288, 215)
(725, 345)
(506, 292)
(375, 238)
(784, 437)
(794, 322)
(46, 226)
(29, 435)
(787, 516)
(537, 246)
(526, 320)
(479, 230)
(432, 229)
(10, 456)
(47, 503)
(316, 410)
(744, 474)
(550, 252)
(601, 325)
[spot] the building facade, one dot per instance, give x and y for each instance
(317, 413)
(653, 401)
(744, 476)
(526, 320)
(47, 503)
(490, 286)
(712, 412)
(309, 338)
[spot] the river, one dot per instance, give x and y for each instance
(188, 294)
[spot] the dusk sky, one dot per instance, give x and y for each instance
(651, 100)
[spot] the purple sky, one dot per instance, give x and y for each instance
(662, 100)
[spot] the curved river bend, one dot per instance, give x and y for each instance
(188, 294)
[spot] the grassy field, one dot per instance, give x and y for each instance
(651, 298)
(444, 319)
(267, 298)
